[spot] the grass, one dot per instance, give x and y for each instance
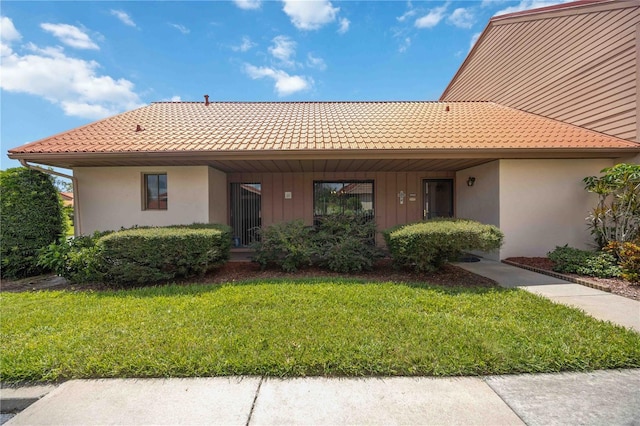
(296, 328)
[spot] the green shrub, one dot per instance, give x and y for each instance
(147, 255)
(287, 245)
(32, 217)
(78, 259)
(345, 242)
(628, 259)
(616, 217)
(427, 245)
(575, 261)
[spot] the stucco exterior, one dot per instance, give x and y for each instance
(538, 204)
(111, 197)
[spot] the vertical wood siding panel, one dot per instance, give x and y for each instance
(277, 197)
(288, 206)
(568, 67)
(267, 199)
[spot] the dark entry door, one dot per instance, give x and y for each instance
(438, 198)
(245, 211)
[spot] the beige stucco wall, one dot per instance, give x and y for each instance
(538, 204)
(218, 212)
(111, 197)
(543, 204)
(481, 201)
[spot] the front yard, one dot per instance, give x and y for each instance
(286, 327)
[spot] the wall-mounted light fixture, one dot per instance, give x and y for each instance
(471, 181)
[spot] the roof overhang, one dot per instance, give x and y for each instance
(315, 161)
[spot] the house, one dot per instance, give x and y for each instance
(67, 198)
(251, 164)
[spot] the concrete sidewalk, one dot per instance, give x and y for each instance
(598, 398)
(599, 304)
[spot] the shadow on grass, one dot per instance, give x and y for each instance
(179, 290)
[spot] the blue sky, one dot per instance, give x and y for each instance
(66, 64)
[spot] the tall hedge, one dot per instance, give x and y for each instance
(32, 217)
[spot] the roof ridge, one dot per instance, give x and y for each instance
(322, 102)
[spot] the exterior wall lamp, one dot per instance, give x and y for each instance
(471, 181)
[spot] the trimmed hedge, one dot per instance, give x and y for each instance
(427, 245)
(32, 217)
(147, 255)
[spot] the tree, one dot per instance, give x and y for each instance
(616, 217)
(32, 217)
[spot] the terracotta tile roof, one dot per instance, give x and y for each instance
(313, 126)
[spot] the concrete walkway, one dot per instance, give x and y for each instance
(597, 398)
(599, 304)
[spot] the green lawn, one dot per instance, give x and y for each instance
(294, 328)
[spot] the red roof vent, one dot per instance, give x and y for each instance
(447, 108)
(206, 100)
(139, 128)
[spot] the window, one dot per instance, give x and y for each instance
(155, 191)
(343, 197)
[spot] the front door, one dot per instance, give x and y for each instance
(246, 218)
(438, 198)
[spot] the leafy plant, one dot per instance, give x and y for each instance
(427, 245)
(32, 217)
(78, 259)
(287, 245)
(575, 261)
(628, 259)
(346, 242)
(616, 217)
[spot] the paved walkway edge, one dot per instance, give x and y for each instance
(560, 276)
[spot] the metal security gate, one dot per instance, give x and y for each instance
(246, 218)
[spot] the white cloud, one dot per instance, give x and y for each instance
(181, 28)
(461, 18)
(123, 17)
(283, 49)
(315, 62)
(406, 43)
(70, 35)
(432, 18)
(248, 4)
(245, 46)
(344, 26)
(408, 14)
(310, 15)
(285, 84)
(474, 39)
(530, 4)
(71, 83)
(8, 32)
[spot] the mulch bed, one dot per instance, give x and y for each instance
(614, 285)
(450, 276)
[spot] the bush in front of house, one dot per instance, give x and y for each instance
(628, 259)
(32, 217)
(78, 259)
(287, 245)
(571, 260)
(426, 246)
(145, 255)
(345, 242)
